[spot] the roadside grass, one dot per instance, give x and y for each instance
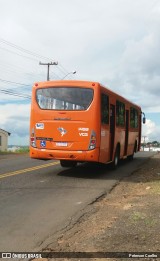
(150, 222)
(6, 152)
(139, 217)
(23, 150)
(155, 187)
(19, 150)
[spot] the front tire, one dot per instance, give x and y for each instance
(130, 157)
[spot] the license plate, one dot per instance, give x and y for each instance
(61, 144)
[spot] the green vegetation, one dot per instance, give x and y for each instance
(22, 150)
(5, 152)
(154, 144)
(155, 187)
(18, 149)
(137, 216)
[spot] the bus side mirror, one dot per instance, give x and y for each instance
(144, 120)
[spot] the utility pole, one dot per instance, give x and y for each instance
(144, 141)
(48, 64)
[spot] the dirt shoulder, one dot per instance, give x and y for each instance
(126, 220)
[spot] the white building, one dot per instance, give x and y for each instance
(4, 140)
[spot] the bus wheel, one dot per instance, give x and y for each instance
(130, 157)
(115, 162)
(68, 163)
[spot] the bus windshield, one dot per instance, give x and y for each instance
(64, 98)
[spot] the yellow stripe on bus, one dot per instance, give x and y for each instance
(17, 172)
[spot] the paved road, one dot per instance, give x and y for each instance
(39, 198)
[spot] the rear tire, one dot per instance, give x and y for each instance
(130, 157)
(115, 162)
(68, 163)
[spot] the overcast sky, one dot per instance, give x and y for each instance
(115, 42)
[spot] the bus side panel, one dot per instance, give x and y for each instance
(133, 138)
(104, 145)
(120, 139)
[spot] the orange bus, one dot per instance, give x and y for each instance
(82, 121)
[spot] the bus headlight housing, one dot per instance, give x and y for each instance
(33, 139)
(92, 143)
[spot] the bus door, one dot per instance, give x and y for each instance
(112, 129)
(126, 133)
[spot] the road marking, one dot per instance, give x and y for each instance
(17, 172)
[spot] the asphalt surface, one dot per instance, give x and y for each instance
(38, 199)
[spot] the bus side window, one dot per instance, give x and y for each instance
(133, 118)
(120, 113)
(104, 109)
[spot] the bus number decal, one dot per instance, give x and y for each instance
(83, 129)
(84, 134)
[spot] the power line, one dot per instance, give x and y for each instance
(34, 75)
(22, 49)
(15, 82)
(60, 67)
(15, 94)
(26, 75)
(54, 75)
(15, 66)
(19, 54)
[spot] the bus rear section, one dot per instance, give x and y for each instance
(65, 122)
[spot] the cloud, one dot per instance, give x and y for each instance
(150, 130)
(15, 120)
(138, 72)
